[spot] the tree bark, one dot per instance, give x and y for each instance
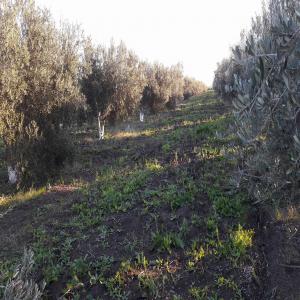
(12, 175)
(100, 127)
(142, 116)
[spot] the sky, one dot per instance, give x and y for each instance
(196, 33)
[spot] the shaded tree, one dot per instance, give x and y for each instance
(38, 80)
(112, 82)
(162, 84)
(193, 87)
(177, 86)
(266, 101)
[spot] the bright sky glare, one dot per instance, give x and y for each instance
(197, 33)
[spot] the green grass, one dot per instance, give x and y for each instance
(20, 197)
(157, 214)
(166, 241)
(227, 206)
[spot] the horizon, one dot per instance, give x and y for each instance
(158, 36)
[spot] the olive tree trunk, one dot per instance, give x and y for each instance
(142, 116)
(100, 127)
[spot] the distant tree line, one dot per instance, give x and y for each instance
(52, 76)
(261, 80)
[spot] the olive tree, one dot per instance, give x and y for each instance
(112, 82)
(38, 80)
(266, 105)
(163, 83)
(167, 86)
(193, 87)
(177, 86)
(223, 83)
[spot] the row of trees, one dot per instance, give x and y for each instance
(50, 73)
(116, 83)
(262, 80)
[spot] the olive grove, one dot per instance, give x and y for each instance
(52, 76)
